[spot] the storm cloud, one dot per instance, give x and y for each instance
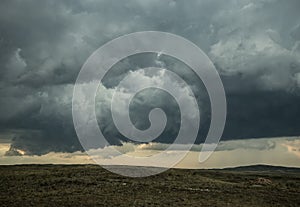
(255, 46)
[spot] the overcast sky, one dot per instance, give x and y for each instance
(254, 44)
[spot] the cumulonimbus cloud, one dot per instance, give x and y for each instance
(254, 45)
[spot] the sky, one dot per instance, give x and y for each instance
(282, 151)
(254, 44)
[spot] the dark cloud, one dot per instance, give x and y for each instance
(254, 45)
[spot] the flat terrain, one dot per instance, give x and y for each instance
(89, 185)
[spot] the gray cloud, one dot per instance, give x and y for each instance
(254, 45)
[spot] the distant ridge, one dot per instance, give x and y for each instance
(268, 168)
(247, 168)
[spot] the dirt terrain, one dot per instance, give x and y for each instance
(89, 185)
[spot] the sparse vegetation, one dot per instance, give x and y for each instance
(89, 185)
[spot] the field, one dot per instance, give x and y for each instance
(89, 185)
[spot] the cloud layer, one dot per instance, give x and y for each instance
(255, 46)
(282, 151)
